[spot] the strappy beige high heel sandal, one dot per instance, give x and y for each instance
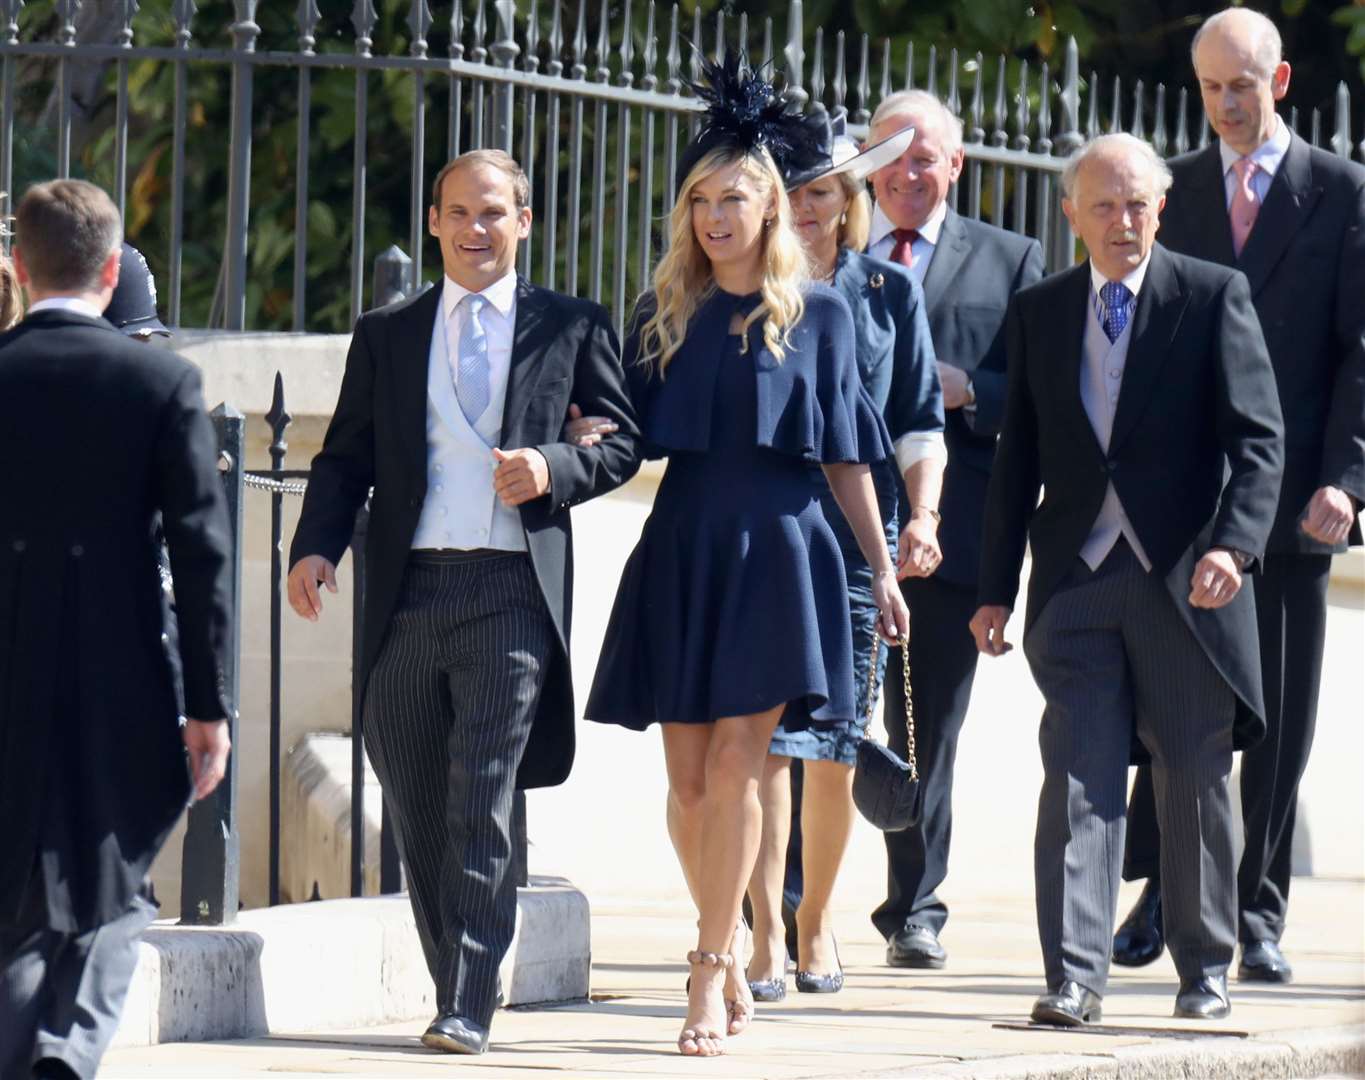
(705, 1042)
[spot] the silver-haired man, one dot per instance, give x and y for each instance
(969, 271)
(1141, 399)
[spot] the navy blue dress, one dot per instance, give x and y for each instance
(734, 601)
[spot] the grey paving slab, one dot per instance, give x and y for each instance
(969, 1020)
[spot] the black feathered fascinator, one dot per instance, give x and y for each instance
(746, 111)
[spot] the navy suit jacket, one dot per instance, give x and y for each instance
(1305, 260)
(975, 271)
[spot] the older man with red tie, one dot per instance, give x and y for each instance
(969, 271)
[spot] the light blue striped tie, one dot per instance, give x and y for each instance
(471, 370)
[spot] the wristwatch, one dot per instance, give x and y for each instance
(971, 395)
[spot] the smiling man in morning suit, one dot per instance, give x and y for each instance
(451, 408)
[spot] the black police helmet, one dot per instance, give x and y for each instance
(132, 308)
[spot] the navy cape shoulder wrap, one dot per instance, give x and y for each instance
(811, 403)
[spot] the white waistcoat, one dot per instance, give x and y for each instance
(1102, 365)
(461, 510)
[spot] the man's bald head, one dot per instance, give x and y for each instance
(1250, 31)
(1237, 59)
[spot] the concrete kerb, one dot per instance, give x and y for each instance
(1286, 1055)
(335, 964)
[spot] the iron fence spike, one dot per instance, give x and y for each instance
(419, 22)
(651, 56)
(954, 101)
(602, 73)
(363, 19)
(308, 16)
(794, 51)
(673, 83)
(1000, 120)
(884, 89)
(1159, 136)
(1182, 121)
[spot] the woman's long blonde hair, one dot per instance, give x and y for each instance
(857, 223)
(683, 277)
(11, 303)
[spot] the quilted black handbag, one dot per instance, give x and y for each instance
(886, 790)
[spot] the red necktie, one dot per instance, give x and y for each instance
(902, 250)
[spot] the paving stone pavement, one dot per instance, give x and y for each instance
(969, 1020)
(603, 830)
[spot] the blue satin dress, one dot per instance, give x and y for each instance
(735, 600)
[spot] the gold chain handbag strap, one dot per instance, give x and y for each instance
(904, 644)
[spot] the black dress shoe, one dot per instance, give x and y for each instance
(456, 1035)
(1140, 939)
(1071, 1005)
(1203, 999)
(915, 947)
(1262, 961)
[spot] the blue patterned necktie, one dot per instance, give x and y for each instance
(471, 370)
(1114, 295)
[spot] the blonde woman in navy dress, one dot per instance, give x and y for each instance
(732, 612)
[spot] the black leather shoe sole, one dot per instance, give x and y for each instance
(897, 958)
(1135, 958)
(1046, 1014)
(436, 1041)
(1263, 974)
(1213, 1012)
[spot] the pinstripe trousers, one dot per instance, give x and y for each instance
(1113, 658)
(447, 716)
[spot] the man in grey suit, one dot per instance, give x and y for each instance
(1292, 218)
(1142, 402)
(969, 271)
(451, 407)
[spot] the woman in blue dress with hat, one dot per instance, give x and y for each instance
(732, 611)
(896, 363)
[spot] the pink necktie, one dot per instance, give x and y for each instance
(1245, 205)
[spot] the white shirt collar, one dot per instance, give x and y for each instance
(1133, 279)
(882, 226)
(1267, 156)
(67, 303)
(502, 294)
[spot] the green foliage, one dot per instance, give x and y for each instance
(1353, 18)
(1146, 39)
